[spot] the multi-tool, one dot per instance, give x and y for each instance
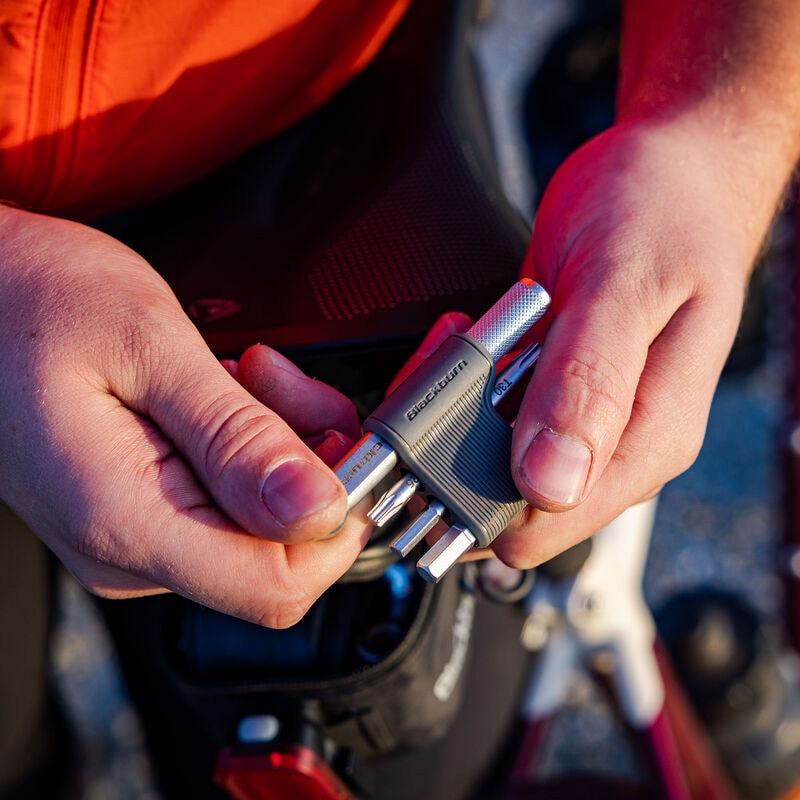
(441, 426)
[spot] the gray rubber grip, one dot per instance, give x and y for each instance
(442, 425)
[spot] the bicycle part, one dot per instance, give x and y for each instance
(743, 684)
(275, 761)
(593, 617)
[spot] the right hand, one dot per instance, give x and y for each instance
(138, 459)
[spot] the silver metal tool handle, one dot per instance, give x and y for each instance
(364, 467)
(510, 318)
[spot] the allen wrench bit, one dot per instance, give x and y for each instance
(441, 424)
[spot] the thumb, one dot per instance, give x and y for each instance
(578, 401)
(251, 462)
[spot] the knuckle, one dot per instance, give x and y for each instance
(93, 585)
(518, 555)
(593, 379)
(520, 561)
(96, 585)
(516, 548)
(95, 575)
(284, 602)
(232, 429)
(95, 543)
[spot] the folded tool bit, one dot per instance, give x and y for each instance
(442, 426)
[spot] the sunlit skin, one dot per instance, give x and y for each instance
(147, 466)
(130, 421)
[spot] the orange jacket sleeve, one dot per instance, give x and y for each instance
(109, 103)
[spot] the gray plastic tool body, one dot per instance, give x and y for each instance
(442, 424)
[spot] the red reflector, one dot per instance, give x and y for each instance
(292, 773)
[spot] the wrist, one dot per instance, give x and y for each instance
(726, 75)
(744, 176)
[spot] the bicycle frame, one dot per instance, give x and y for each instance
(597, 621)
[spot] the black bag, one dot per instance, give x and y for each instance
(380, 662)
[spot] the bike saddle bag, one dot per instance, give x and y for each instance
(378, 664)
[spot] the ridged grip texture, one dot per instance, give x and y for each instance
(452, 439)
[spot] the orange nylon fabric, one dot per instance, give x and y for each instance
(108, 103)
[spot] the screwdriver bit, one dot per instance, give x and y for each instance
(445, 552)
(418, 529)
(442, 425)
(394, 500)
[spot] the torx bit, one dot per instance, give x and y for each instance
(515, 371)
(444, 553)
(394, 499)
(418, 529)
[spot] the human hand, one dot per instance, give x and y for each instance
(645, 248)
(134, 454)
(645, 244)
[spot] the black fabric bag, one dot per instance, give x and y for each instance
(193, 682)
(382, 667)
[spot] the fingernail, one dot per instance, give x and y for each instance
(333, 448)
(556, 467)
(296, 489)
(335, 531)
(284, 363)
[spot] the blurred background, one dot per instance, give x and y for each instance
(548, 68)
